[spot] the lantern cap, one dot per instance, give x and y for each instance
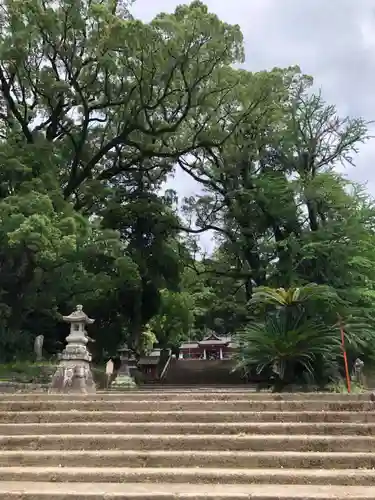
(78, 316)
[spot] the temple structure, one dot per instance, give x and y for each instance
(211, 347)
(148, 364)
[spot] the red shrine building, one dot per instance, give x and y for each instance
(211, 347)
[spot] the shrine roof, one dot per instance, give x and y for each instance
(213, 342)
(147, 360)
(211, 339)
(189, 345)
(155, 353)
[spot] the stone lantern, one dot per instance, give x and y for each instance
(73, 374)
(124, 379)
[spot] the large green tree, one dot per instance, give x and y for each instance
(95, 108)
(271, 193)
(109, 95)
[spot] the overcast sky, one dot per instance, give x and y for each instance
(332, 40)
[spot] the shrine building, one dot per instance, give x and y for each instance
(211, 347)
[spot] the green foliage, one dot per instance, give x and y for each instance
(146, 341)
(340, 387)
(25, 372)
(174, 320)
(297, 339)
(104, 92)
(288, 344)
(298, 296)
(14, 344)
(97, 109)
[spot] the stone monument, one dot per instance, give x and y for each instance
(357, 373)
(124, 379)
(73, 374)
(38, 347)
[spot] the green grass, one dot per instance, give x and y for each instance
(340, 387)
(27, 372)
(24, 372)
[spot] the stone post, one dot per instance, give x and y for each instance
(124, 379)
(38, 347)
(73, 374)
(357, 373)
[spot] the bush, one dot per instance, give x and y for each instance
(100, 376)
(15, 346)
(25, 372)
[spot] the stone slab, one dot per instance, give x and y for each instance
(202, 459)
(189, 442)
(73, 415)
(124, 427)
(64, 404)
(87, 491)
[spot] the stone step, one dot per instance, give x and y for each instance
(199, 387)
(74, 416)
(185, 396)
(208, 442)
(193, 475)
(123, 427)
(22, 490)
(192, 405)
(196, 458)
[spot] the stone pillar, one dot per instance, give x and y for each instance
(204, 354)
(221, 353)
(73, 374)
(124, 379)
(38, 347)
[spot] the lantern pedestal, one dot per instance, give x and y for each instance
(73, 374)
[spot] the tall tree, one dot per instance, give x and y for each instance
(111, 95)
(271, 190)
(95, 107)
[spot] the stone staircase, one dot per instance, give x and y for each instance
(222, 444)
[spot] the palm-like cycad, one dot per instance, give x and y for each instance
(287, 345)
(289, 340)
(280, 297)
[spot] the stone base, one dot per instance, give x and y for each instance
(124, 382)
(73, 377)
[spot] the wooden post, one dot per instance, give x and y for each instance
(109, 367)
(347, 375)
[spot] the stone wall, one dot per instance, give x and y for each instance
(199, 371)
(11, 387)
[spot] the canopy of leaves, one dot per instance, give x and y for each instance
(174, 320)
(97, 109)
